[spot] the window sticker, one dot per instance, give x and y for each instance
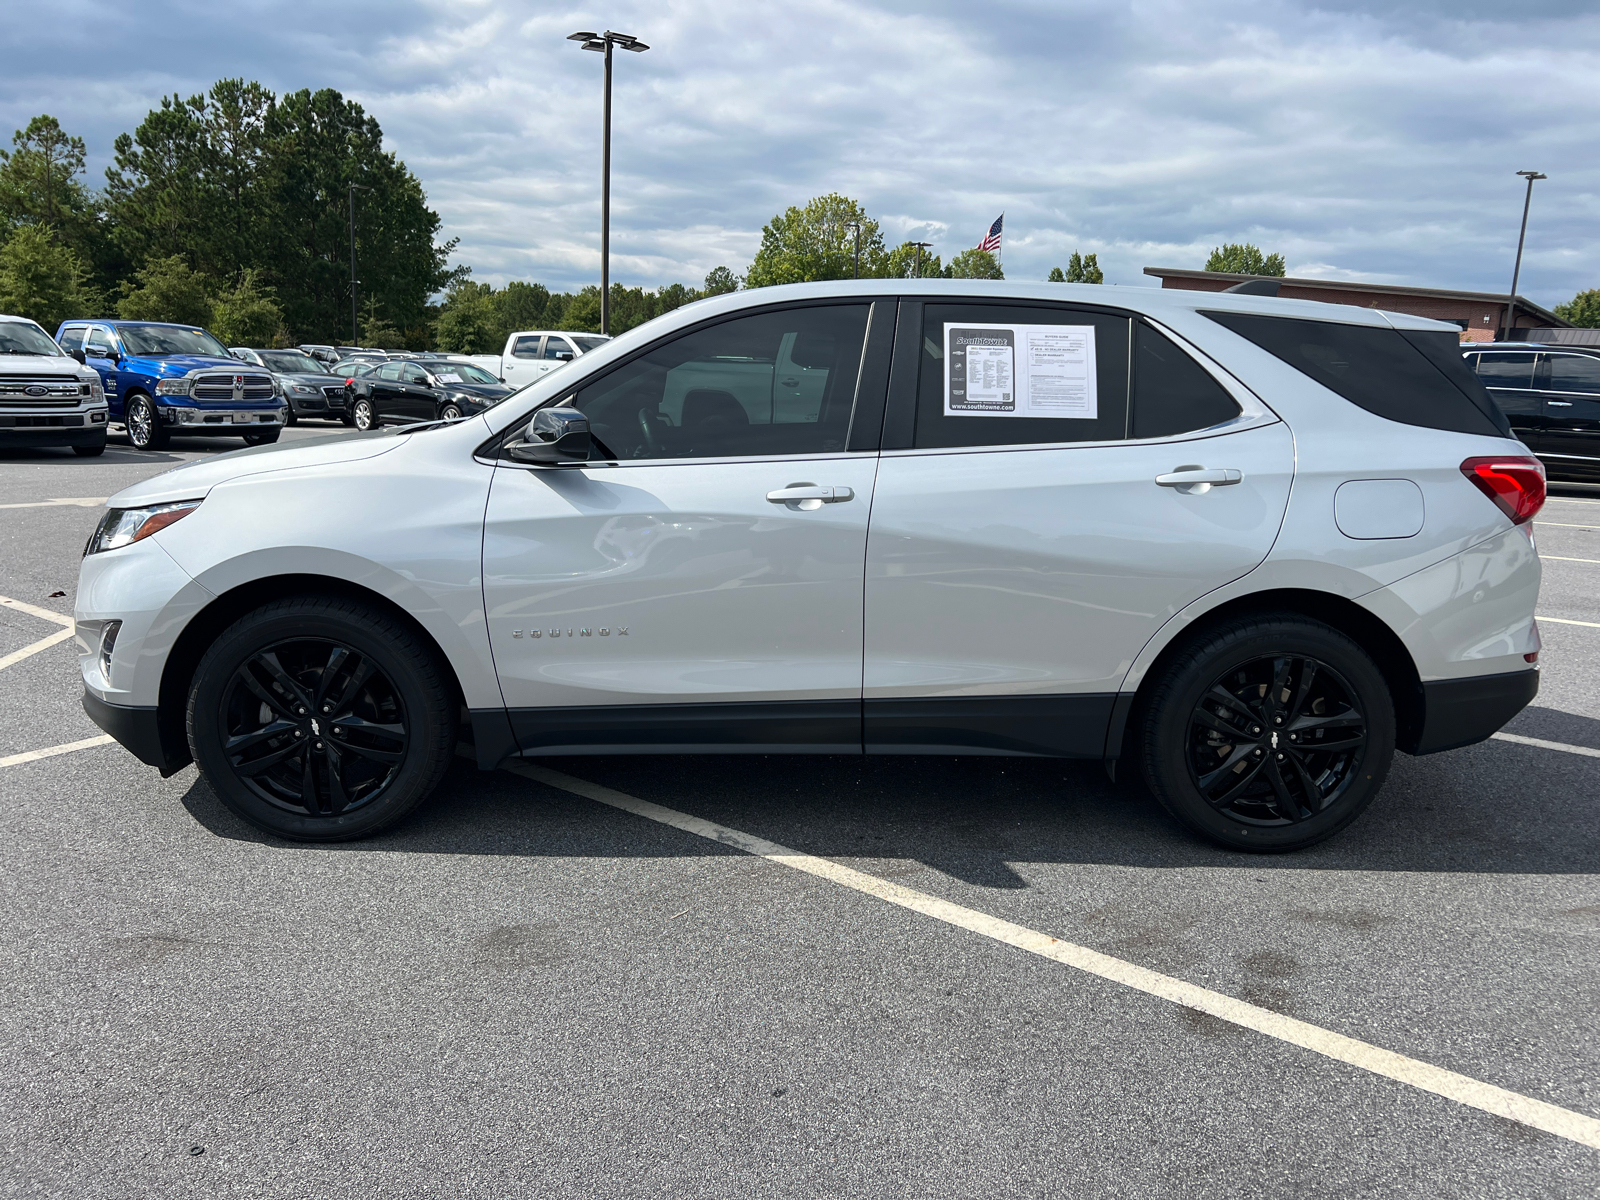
(447, 377)
(1020, 371)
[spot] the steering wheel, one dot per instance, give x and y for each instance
(647, 430)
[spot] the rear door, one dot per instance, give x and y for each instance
(703, 586)
(1022, 550)
(521, 364)
(1508, 374)
(1571, 391)
(384, 382)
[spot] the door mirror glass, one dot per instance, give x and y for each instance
(556, 435)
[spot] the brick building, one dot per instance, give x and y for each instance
(1481, 315)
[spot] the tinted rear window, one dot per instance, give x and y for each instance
(1514, 370)
(1408, 376)
(1574, 373)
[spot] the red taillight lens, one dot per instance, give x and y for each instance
(349, 383)
(1516, 485)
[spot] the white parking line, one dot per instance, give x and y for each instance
(1558, 558)
(1544, 745)
(35, 611)
(33, 648)
(1461, 1088)
(79, 501)
(12, 760)
(1565, 525)
(1565, 621)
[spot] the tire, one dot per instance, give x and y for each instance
(348, 418)
(94, 451)
(450, 412)
(289, 417)
(377, 683)
(363, 415)
(144, 426)
(1228, 755)
(261, 439)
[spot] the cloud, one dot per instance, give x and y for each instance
(1362, 140)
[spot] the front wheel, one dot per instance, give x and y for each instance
(1269, 733)
(450, 412)
(289, 417)
(362, 415)
(145, 430)
(261, 439)
(319, 719)
(93, 451)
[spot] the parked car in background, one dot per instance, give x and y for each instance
(1247, 547)
(326, 355)
(46, 397)
(162, 379)
(353, 368)
(534, 353)
(1551, 396)
(309, 387)
(404, 391)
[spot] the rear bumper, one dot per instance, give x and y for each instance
(1459, 712)
(139, 730)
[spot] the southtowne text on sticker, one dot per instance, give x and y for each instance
(1020, 371)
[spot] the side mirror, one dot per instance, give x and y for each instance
(556, 435)
(566, 356)
(77, 354)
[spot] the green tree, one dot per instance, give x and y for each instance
(817, 242)
(901, 263)
(522, 306)
(1056, 276)
(246, 315)
(469, 320)
(1582, 310)
(581, 312)
(377, 332)
(720, 280)
(167, 289)
(43, 280)
(39, 182)
(1245, 259)
(1081, 268)
(975, 264)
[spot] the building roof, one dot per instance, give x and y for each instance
(1340, 285)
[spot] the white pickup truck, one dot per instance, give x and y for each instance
(533, 353)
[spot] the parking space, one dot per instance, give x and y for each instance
(524, 991)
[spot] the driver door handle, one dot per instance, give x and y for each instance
(809, 496)
(1193, 480)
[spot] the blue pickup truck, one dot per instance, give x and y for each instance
(163, 379)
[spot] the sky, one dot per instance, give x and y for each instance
(1363, 141)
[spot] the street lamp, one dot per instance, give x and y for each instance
(1511, 301)
(921, 246)
(856, 225)
(602, 43)
(355, 334)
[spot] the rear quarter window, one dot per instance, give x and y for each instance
(1412, 376)
(1172, 393)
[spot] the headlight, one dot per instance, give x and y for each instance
(173, 387)
(124, 526)
(96, 392)
(301, 389)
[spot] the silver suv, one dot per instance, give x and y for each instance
(1246, 547)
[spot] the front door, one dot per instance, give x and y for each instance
(1571, 393)
(415, 399)
(99, 352)
(1023, 551)
(702, 586)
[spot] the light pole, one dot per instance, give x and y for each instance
(921, 246)
(355, 333)
(1511, 300)
(602, 43)
(856, 225)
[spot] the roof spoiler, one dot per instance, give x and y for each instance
(1256, 287)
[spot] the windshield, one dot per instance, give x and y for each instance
(156, 341)
(289, 362)
(587, 344)
(466, 372)
(24, 337)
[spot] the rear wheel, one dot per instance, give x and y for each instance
(319, 719)
(145, 430)
(362, 415)
(1270, 733)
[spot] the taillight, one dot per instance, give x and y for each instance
(349, 383)
(1515, 484)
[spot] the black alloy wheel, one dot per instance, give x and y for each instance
(1275, 740)
(145, 430)
(1266, 733)
(320, 719)
(313, 727)
(362, 415)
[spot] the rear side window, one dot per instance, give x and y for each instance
(1574, 373)
(1406, 376)
(1015, 375)
(1172, 393)
(525, 347)
(1506, 370)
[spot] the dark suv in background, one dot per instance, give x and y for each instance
(1551, 396)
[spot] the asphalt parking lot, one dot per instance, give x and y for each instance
(526, 992)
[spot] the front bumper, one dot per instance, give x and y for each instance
(84, 428)
(1461, 712)
(221, 422)
(139, 730)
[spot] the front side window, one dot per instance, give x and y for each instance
(1506, 369)
(100, 343)
(587, 344)
(72, 338)
(774, 383)
(555, 347)
(1018, 375)
(157, 341)
(1574, 373)
(411, 373)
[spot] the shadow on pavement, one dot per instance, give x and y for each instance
(1492, 808)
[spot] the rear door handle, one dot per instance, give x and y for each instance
(1194, 480)
(805, 497)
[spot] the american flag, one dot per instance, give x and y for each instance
(991, 243)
